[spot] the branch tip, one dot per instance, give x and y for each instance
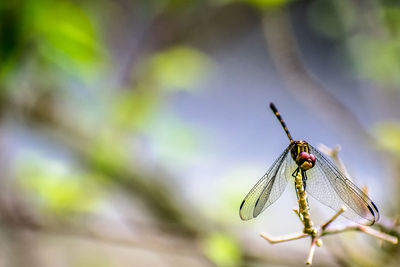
(312, 251)
(284, 238)
(325, 225)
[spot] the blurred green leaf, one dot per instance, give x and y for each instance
(11, 35)
(391, 16)
(267, 3)
(262, 4)
(179, 68)
(222, 249)
(58, 189)
(377, 59)
(388, 136)
(66, 37)
(332, 18)
(134, 108)
(107, 150)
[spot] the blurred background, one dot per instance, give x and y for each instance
(131, 130)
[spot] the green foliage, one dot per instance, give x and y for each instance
(222, 249)
(376, 54)
(267, 3)
(135, 108)
(377, 59)
(57, 189)
(54, 36)
(261, 4)
(66, 37)
(11, 35)
(107, 150)
(178, 68)
(388, 136)
(391, 17)
(332, 18)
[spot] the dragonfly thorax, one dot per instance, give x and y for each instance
(301, 155)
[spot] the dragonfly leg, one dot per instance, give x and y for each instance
(304, 178)
(294, 174)
(297, 193)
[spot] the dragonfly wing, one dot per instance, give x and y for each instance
(328, 184)
(268, 189)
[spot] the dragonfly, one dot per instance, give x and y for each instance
(321, 178)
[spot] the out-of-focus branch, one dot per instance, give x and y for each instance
(149, 239)
(299, 81)
(148, 186)
(334, 154)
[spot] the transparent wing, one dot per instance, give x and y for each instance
(269, 188)
(329, 186)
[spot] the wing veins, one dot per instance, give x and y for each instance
(348, 192)
(251, 206)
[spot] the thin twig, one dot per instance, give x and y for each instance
(325, 225)
(298, 214)
(366, 229)
(283, 239)
(312, 250)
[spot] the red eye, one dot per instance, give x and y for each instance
(304, 155)
(312, 157)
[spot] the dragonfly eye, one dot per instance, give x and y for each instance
(312, 158)
(304, 155)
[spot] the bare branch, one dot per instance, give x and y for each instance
(284, 238)
(312, 251)
(325, 225)
(366, 229)
(298, 214)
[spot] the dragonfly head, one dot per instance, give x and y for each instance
(301, 155)
(306, 161)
